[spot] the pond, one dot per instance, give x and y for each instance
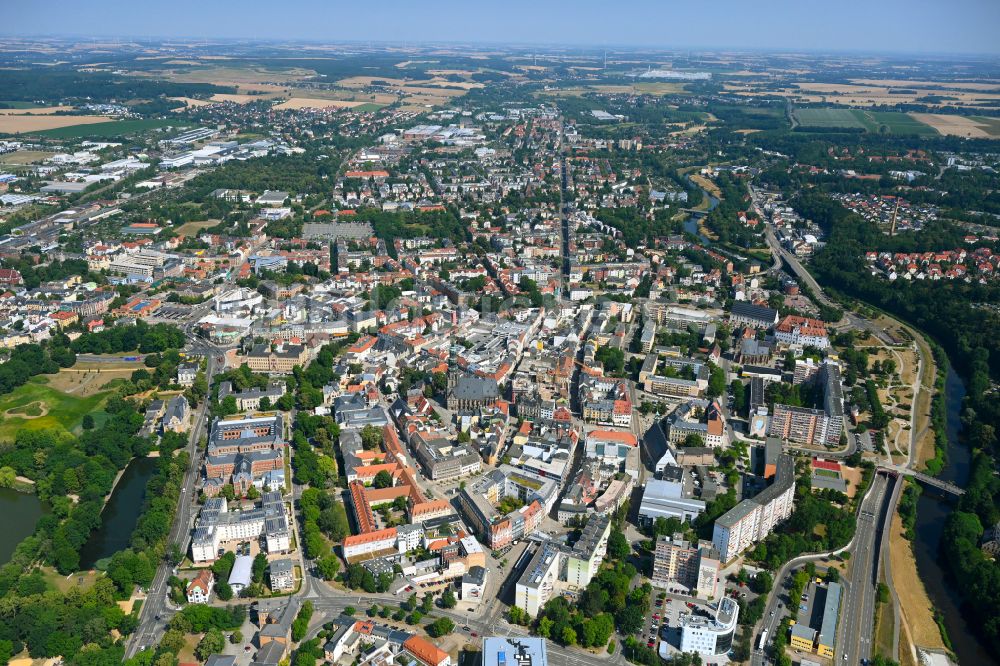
(120, 514)
(21, 513)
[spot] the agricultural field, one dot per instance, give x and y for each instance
(38, 123)
(871, 121)
(36, 405)
(828, 118)
(976, 127)
(111, 129)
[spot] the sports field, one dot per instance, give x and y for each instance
(36, 405)
(111, 129)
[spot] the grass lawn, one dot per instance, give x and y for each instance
(35, 405)
(898, 123)
(112, 129)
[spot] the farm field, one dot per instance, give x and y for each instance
(106, 129)
(35, 123)
(37, 405)
(828, 118)
(975, 127)
(871, 121)
(316, 103)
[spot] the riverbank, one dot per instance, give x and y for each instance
(917, 626)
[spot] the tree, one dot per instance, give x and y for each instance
(211, 643)
(259, 568)
(762, 582)
(618, 546)
(568, 636)
(7, 477)
(328, 566)
(88, 422)
(448, 598)
(716, 381)
(236, 637)
(371, 437)
(228, 406)
(440, 627)
(382, 480)
(630, 620)
(223, 590)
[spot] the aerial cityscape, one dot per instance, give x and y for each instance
(527, 336)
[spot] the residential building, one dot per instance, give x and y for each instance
(694, 566)
(199, 590)
(752, 520)
(281, 573)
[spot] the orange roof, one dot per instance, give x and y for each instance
(614, 436)
(390, 493)
(370, 537)
(429, 507)
(425, 651)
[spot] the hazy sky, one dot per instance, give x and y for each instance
(915, 26)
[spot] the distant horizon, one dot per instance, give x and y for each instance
(903, 27)
(595, 47)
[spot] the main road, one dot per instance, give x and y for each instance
(857, 610)
(154, 615)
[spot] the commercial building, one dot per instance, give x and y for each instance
(753, 519)
(241, 574)
(665, 499)
(512, 651)
(827, 637)
(695, 566)
(710, 636)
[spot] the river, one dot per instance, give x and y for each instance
(931, 513)
(21, 513)
(120, 514)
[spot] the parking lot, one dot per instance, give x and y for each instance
(172, 312)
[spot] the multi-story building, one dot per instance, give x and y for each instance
(695, 566)
(281, 574)
(478, 503)
(710, 636)
(249, 400)
(216, 525)
(794, 330)
(444, 459)
(556, 567)
(279, 361)
(813, 426)
(753, 519)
